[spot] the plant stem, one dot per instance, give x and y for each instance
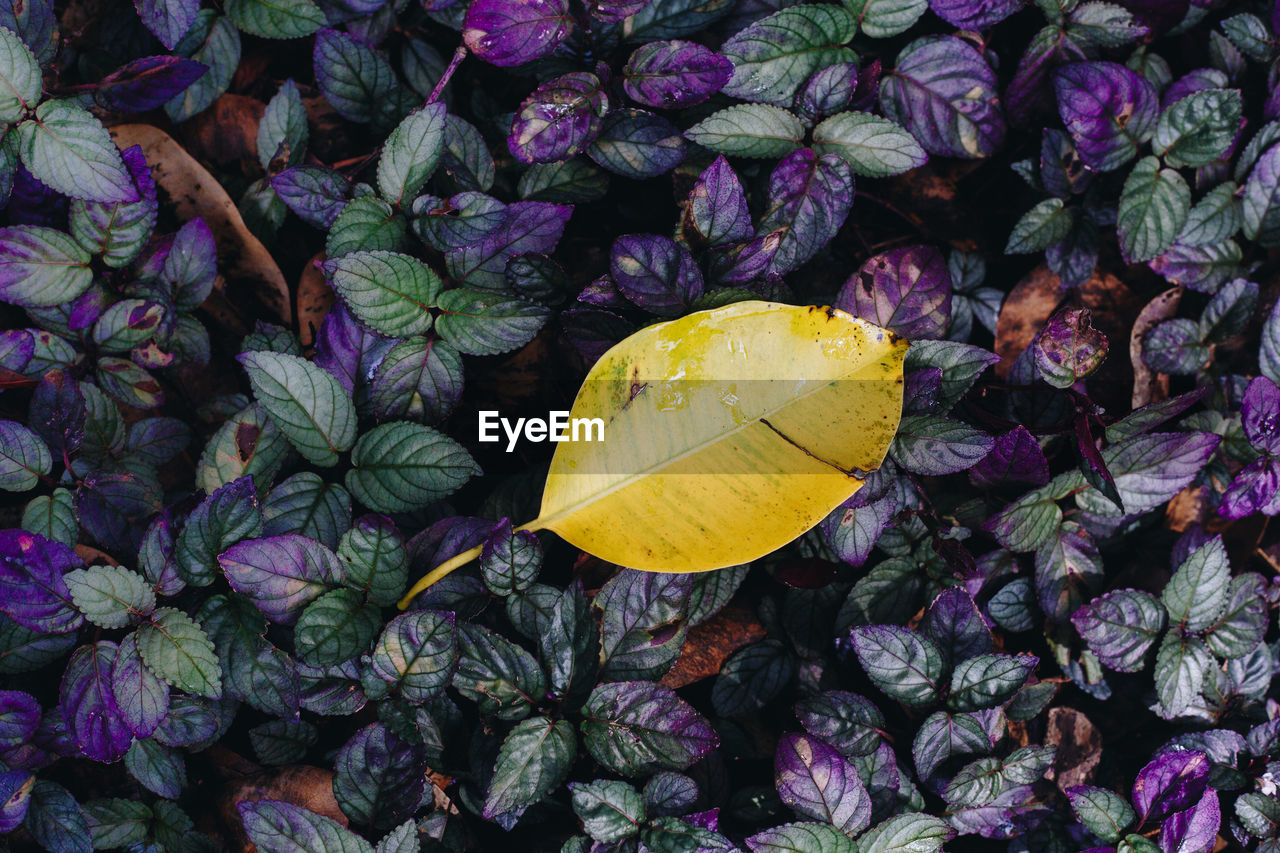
(458, 55)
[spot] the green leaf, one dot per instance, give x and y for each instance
(1243, 622)
(222, 519)
(885, 18)
(335, 627)
(636, 727)
(1039, 228)
(282, 133)
(282, 741)
(117, 823)
(401, 467)
(873, 146)
(1104, 813)
(389, 292)
(749, 130)
(247, 444)
(176, 648)
(127, 324)
(499, 676)
(70, 151)
(933, 445)
(906, 833)
(158, 768)
(1181, 665)
(801, 838)
(609, 810)
(673, 835)
(417, 653)
(534, 759)
(1259, 814)
(306, 504)
(985, 681)
(366, 224)
(20, 80)
(1197, 593)
(411, 154)
(276, 19)
(215, 42)
(775, 55)
(279, 827)
(375, 560)
(309, 405)
(47, 266)
(1153, 208)
(903, 664)
(479, 322)
(110, 596)
(510, 561)
(1215, 218)
(53, 516)
(55, 820)
(1198, 129)
(24, 457)
(402, 839)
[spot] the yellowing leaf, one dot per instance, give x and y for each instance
(727, 434)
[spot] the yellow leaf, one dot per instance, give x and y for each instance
(727, 434)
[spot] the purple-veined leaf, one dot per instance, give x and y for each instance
(717, 212)
(1121, 626)
(281, 574)
(168, 20)
(1016, 458)
(1194, 830)
(559, 119)
(638, 144)
(907, 290)
(513, 32)
(93, 718)
(1170, 783)
(674, 74)
(974, 14)
(1108, 109)
(32, 590)
(146, 83)
(944, 92)
(810, 196)
(818, 782)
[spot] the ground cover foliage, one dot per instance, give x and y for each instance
(262, 263)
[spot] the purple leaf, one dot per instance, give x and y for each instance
(281, 574)
(513, 32)
(1150, 469)
(1260, 415)
(907, 290)
(955, 624)
(143, 699)
(674, 74)
(1160, 15)
(1194, 830)
(147, 83)
(655, 273)
(944, 92)
(829, 91)
(1067, 349)
(818, 782)
(57, 412)
(316, 193)
(809, 200)
(1255, 489)
(717, 212)
(349, 351)
(1194, 81)
(15, 794)
(1016, 458)
(974, 14)
(1170, 783)
(559, 119)
(32, 591)
(636, 727)
(529, 226)
(33, 203)
(638, 144)
(1109, 110)
(88, 705)
(1120, 627)
(746, 262)
(168, 20)
(19, 718)
(615, 10)
(191, 265)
